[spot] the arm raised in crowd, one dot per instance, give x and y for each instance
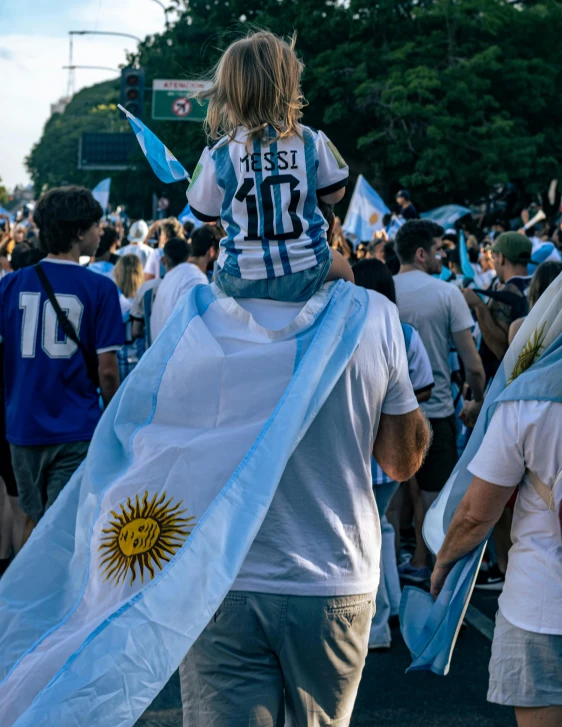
(108, 372)
(401, 444)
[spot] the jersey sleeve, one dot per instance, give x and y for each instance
(500, 459)
(110, 332)
(204, 194)
(332, 173)
(400, 397)
(419, 366)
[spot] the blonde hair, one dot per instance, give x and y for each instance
(128, 275)
(256, 84)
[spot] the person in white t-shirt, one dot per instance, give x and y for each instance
(522, 442)
(138, 234)
(183, 272)
(440, 314)
(265, 175)
(292, 635)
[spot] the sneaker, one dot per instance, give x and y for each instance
(491, 580)
(409, 572)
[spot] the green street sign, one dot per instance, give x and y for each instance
(174, 100)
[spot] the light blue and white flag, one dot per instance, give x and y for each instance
(129, 565)
(466, 267)
(395, 224)
(542, 253)
(365, 212)
(447, 215)
(530, 370)
(101, 193)
(164, 164)
(186, 214)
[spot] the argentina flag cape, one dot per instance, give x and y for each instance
(531, 370)
(126, 569)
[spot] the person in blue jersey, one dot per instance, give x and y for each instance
(265, 175)
(51, 380)
(375, 275)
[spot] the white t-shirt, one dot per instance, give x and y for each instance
(436, 309)
(142, 251)
(266, 197)
(321, 535)
(527, 435)
(177, 282)
(153, 263)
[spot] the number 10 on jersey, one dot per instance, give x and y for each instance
(261, 202)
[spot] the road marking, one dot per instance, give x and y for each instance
(481, 623)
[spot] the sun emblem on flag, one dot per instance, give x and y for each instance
(530, 353)
(374, 218)
(144, 535)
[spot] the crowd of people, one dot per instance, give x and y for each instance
(81, 300)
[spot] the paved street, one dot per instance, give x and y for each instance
(390, 698)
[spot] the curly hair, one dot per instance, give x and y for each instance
(61, 214)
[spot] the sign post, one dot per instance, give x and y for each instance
(174, 100)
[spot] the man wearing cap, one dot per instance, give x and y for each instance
(511, 253)
(136, 237)
(407, 209)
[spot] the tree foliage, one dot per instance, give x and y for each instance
(447, 97)
(4, 196)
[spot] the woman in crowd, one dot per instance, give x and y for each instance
(165, 230)
(375, 275)
(128, 276)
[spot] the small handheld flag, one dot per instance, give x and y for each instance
(101, 193)
(164, 164)
(365, 213)
(466, 267)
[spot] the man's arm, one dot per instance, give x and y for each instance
(108, 372)
(478, 512)
(401, 444)
(493, 333)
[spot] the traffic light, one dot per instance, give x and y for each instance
(132, 91)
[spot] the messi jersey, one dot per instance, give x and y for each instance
(50, 398)
(266, 197)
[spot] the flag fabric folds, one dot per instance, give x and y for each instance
(128, 566)
(365, 212)
(466, 267)
(530, 370)
(101, 193)
(164, 164)
(447, 215)
(186, 214)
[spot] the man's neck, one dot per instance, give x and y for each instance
(199, 262)
(515, 271)
(73, 255)
(411, 268)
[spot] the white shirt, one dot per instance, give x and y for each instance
(153, 264)
(175, 285)
(142, 251)
(528, 435)
(436, 309)
(321, 535)
(266, 196)
(419, 365)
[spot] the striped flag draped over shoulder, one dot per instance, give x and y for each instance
(128, 566)
(531, 370)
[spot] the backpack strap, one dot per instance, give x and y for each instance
(67, 327)
(543, 491)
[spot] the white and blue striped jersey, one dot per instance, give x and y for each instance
(421, 377)
(266, 197)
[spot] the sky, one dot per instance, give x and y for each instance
(34, 45)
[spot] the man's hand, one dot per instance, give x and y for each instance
(470, 413)
(438, 578)
(472, 298)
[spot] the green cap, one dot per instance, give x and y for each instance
(516, 247)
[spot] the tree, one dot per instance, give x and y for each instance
(4, 196)
(450, 98)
